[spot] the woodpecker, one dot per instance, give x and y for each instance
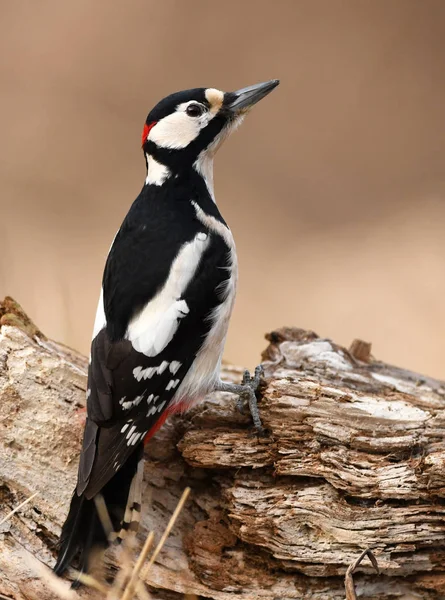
(168, 290)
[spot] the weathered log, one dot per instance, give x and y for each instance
(354, 458)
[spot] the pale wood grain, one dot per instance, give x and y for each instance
(354, 458)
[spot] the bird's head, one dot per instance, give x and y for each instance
(185, 129)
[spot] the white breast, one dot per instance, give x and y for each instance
(204, 373)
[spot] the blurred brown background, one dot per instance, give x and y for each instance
(334, 186)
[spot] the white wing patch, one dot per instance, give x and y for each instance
(133, 437)
(125, 427)
(172, 384)
(161, 406)
(152, 410)
(175, 366)
(162, 367)
(140, 373)
(126, 404)
(154, 327)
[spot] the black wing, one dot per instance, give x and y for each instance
(128, 391)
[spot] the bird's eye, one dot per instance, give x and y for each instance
(194, 110)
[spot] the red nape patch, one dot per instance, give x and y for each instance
(146, 131)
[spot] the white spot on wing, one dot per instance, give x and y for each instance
(134, 439)
(163, 366)
(172, 384)
(140, 373)
(174, 367)
(161, 406)
(126, 404)
(131, 431)
(144, 373)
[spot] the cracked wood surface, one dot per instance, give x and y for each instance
(354, 458)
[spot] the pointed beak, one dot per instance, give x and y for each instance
(241, 100)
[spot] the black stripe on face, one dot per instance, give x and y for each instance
(183, 158)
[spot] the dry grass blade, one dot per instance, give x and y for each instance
(91, 582)
(134, 578)
(17, 508)
(141, 592)
(104, 516)
(56, 585)
(349, 580)
(166, 533)
(125, 569)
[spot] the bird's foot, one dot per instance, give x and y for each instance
(246, 393)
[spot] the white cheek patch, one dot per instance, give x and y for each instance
(175, 131)
(178, 130)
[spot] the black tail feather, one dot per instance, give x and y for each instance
(83, 530)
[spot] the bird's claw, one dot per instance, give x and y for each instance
(247, 396)
(253, 382)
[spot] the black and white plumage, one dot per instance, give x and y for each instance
(167, 295)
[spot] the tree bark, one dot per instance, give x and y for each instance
(353, 459)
